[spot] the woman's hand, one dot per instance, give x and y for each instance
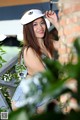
(13, 105)
(52, 17)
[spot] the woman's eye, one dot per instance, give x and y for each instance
(34, 24)
(42, 22)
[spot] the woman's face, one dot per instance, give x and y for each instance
(39, 28)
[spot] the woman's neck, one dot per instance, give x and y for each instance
(43, 48)
(40, 41)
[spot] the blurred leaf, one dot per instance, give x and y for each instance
(19, 114)
(77, 46)
(54, 67)
(48, 116)
(73, 115)
(53, 89)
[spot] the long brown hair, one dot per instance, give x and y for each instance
(31, 40)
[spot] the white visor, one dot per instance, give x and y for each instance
(30, 16)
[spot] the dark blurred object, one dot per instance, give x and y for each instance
(11, 41)
(54, 34)
(51, 5)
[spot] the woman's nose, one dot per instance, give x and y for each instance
(40, 26)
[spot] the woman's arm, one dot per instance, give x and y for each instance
(32, 62)
(52, 17)
(13, 105)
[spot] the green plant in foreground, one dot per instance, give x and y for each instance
(52, 83)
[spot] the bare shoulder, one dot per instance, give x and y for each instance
(29, 52)
(32, 61)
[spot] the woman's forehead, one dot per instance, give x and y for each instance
(38, 19)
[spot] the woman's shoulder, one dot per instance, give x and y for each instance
(29, 52)
(26, 47)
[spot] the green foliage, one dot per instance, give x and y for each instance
(20, 114)
(4, 90)
(1, 59)
(52, 85)
(8, 76)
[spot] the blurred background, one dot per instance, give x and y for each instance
(10, 27)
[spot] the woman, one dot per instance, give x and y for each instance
(37, 43)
